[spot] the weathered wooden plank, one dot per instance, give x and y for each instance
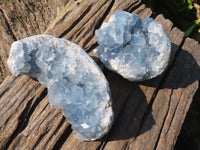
(27, 18)
(143, 11)
(78, 21)
(172, 101)
(87, 16)
(166, 23)
(46, 125)
(140, 100)
(183, 93)
(6, 38)
(175, 35)
(43, 116)
(127, 5)
(27, 119)
(18, 99)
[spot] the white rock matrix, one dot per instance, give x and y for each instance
(74, 81)
(134, 49)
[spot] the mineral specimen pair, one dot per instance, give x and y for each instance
(136, 50)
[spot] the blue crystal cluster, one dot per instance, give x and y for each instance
(74, 81)
(136, 50)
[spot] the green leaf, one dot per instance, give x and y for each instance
(192, 27)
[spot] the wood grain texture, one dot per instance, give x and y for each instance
(6, 37)
(148, 115)
(173, 100)
(186, 68)
(78, 21)
(19, 96)
(141, 98)
(46, 125)
(27, 18)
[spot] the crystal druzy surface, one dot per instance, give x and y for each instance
(136, 50)
(74, 81)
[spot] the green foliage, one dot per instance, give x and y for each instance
(191, 28)
(180, 12)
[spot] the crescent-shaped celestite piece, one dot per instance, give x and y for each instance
(75, 83)
(134, 49)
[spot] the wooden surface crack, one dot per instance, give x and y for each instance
(97, 26)
(134, 6)
(4, 87)
(173, 115)
(1, 70)
(163, 123)
(29, 9)
(25, 116)
(117, 117)
(76, 22)
(165, 74)
(63, 137)
(8, 25)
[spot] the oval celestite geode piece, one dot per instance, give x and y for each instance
(74, 81)
(136, 50)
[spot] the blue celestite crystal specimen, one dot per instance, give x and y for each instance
(74, 81)
(136, 50)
